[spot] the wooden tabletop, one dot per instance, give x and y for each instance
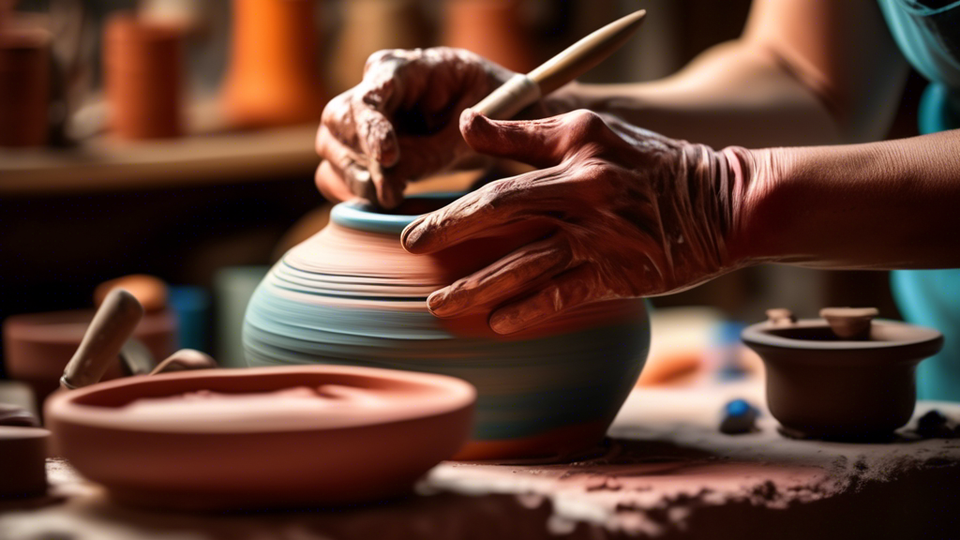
(666, 472)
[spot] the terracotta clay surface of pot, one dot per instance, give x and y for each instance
(257, 438)
(352, 295)
(822, 386)
(37, 346)
(273, 75)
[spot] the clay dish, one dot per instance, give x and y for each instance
(822, 386)
(39, 345)
(261, 438)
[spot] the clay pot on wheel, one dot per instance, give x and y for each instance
(352, 295)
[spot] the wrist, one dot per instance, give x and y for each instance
(752, 177)
(757, 176)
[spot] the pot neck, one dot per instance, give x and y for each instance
(359, 215)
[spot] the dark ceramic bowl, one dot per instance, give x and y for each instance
(820, 386)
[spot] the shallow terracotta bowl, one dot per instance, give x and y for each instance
(163, 442)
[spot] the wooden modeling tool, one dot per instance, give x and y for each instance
(521, 90)
(113, 324)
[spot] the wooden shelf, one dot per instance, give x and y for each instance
(104, 163)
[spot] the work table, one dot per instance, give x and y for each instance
(665, 472)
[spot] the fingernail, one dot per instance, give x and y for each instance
(506, 321)
(468, 120)
(437, 302)
(412, 234)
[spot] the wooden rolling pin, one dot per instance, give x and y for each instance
(521, 90)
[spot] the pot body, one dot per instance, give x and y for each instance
(820, 386)
(844, 403)
(352, 295)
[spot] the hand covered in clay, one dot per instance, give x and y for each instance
(633, 214)
(400, 123)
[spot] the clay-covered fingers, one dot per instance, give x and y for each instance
(506, 278)
(477, 214)
(561, 294)
(331, 183)
(541, 143)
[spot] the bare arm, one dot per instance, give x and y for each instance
(880, 205)
(803, 72)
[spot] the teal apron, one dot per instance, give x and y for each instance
(928, 33)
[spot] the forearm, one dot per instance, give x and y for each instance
(733, 94)
(803, 73)
(881, 205)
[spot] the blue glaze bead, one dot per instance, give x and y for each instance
(739, 417)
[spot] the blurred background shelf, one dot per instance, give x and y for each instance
(209, 154)
(104, 164)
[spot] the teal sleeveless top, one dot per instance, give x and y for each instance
(928, 33)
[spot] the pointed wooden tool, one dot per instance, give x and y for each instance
(521, 91)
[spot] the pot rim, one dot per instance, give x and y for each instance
(74, 407)
(918, 339)
(360, 215)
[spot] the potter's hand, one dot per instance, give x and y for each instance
(635, 214)
(400, 123)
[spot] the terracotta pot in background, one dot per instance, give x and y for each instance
(493, 29)
(143, 77)
(273, 76)
(37, 346)
(371, 25)
(24, 86)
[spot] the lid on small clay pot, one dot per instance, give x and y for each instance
(843, 329)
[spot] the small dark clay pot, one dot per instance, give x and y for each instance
(822, 386)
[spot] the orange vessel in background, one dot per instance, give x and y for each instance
(143, 76)
(493, 29)
(273, 74)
